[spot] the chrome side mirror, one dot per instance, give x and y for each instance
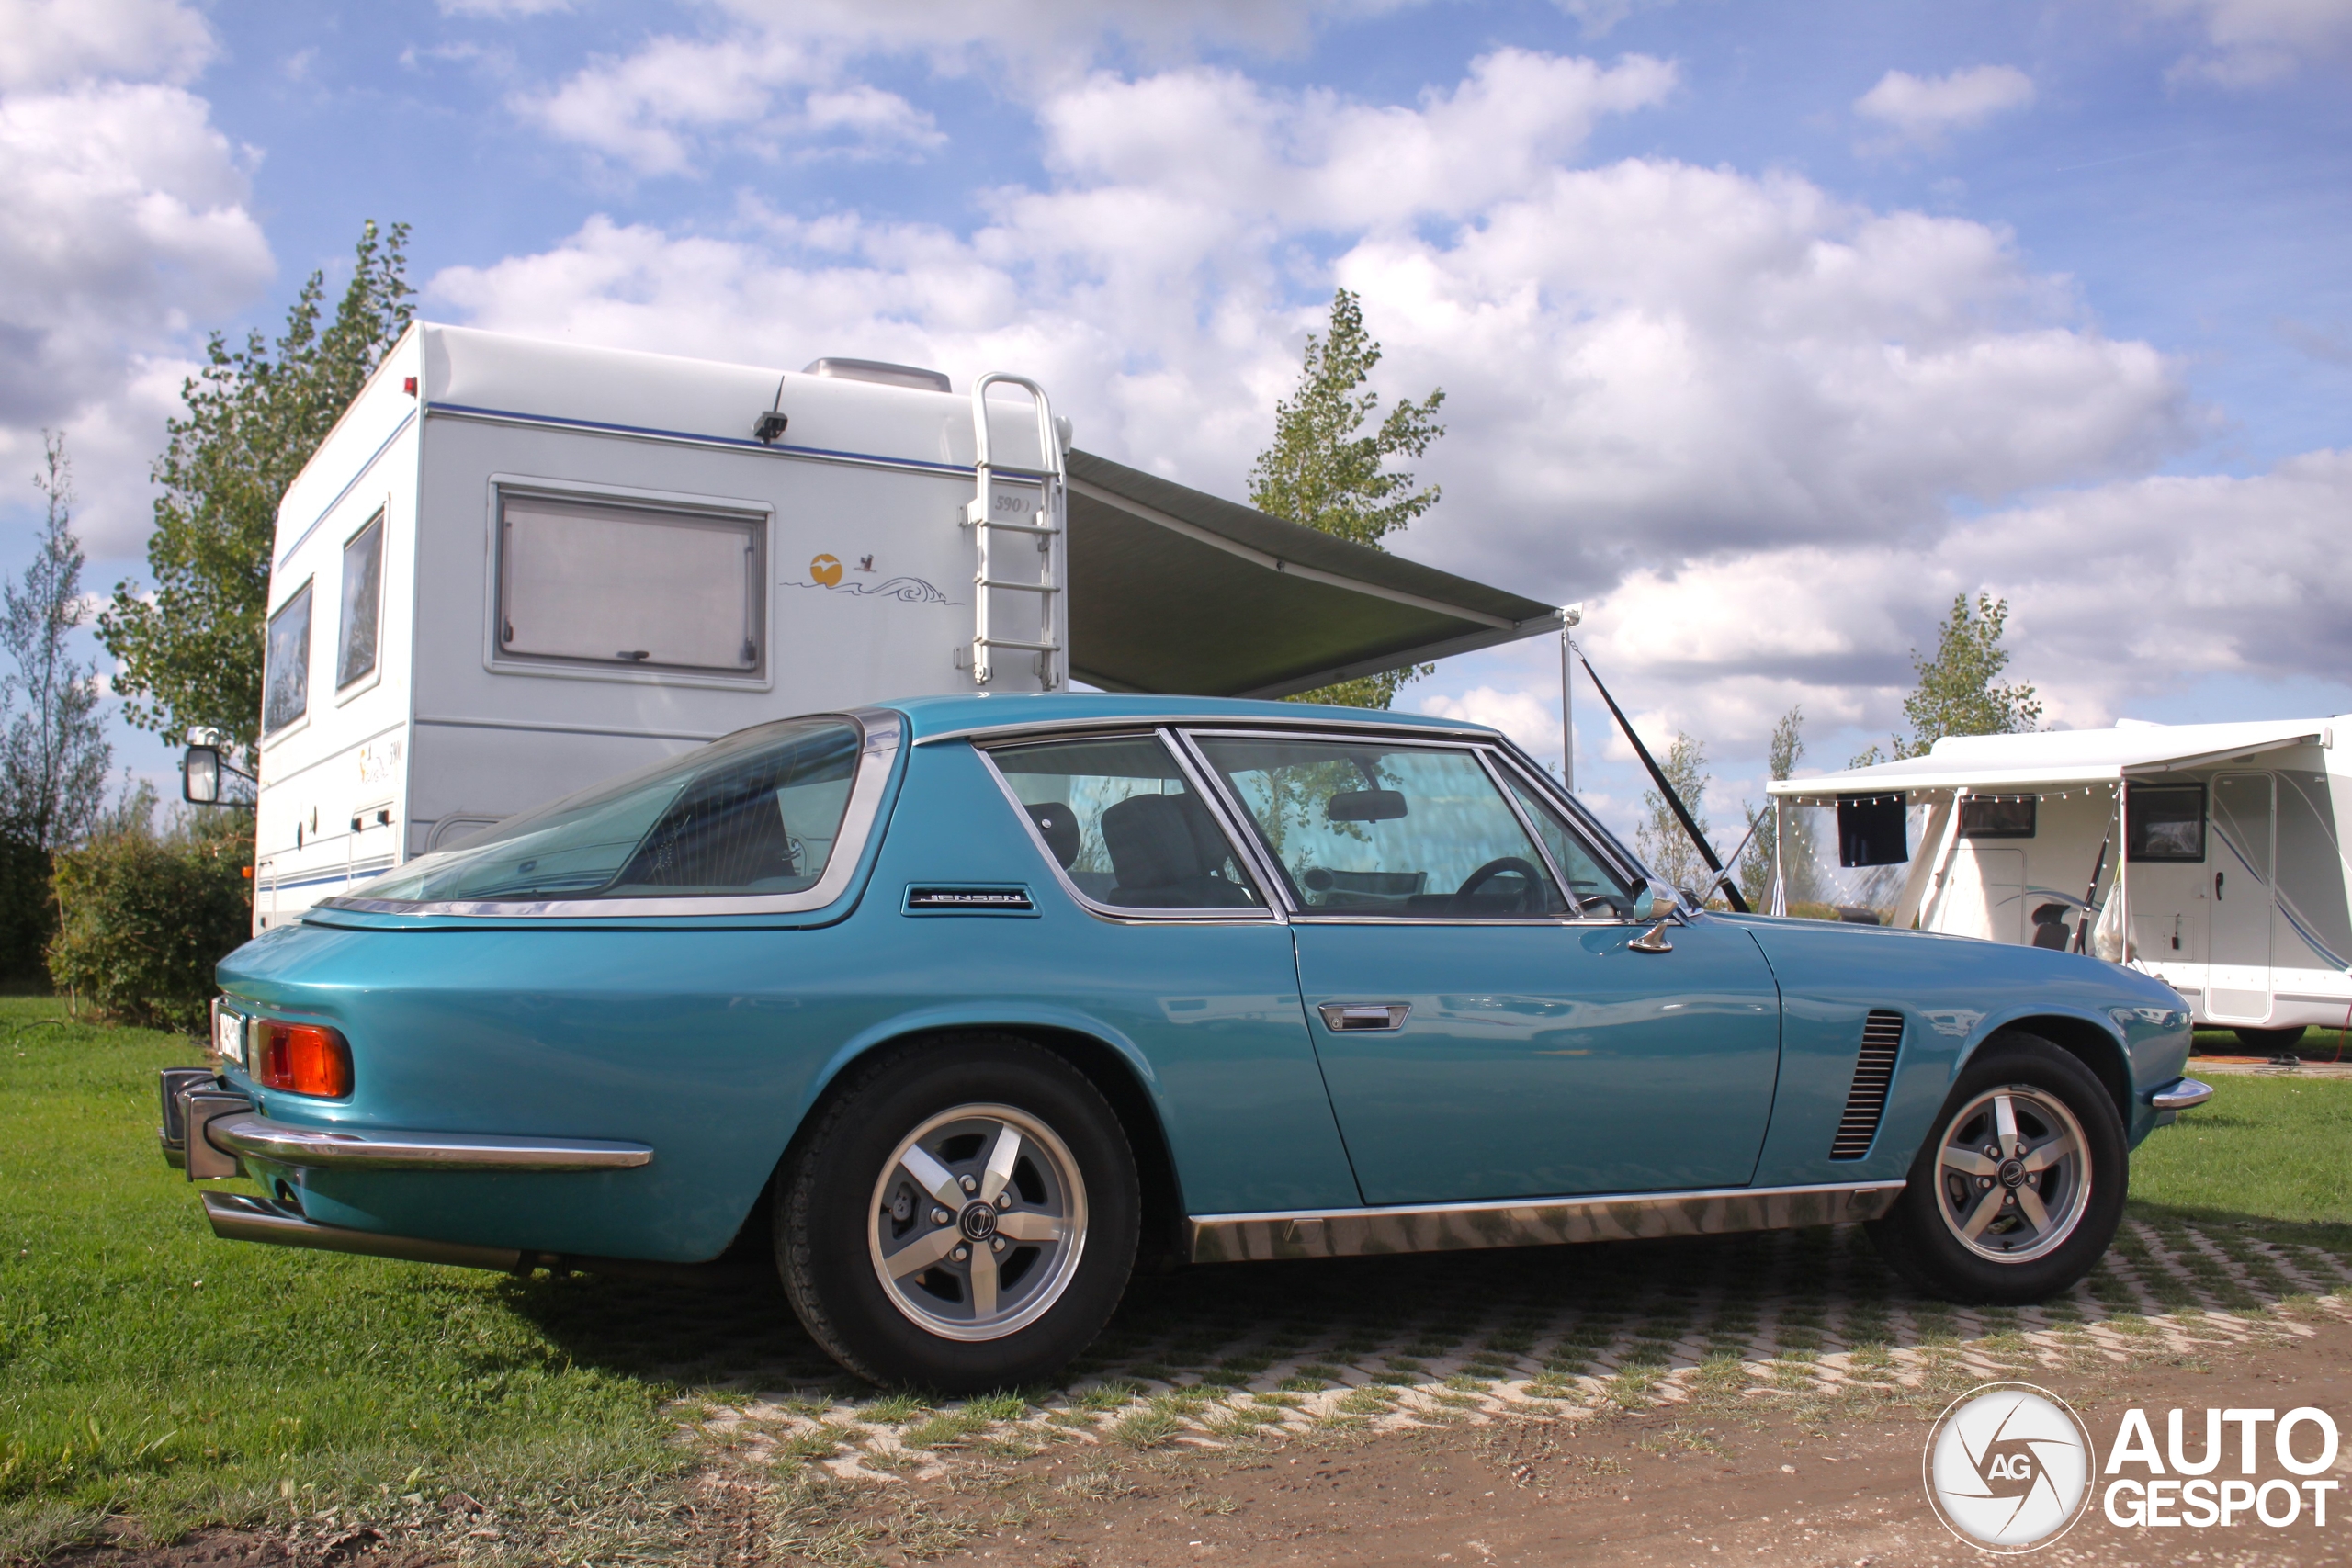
(200, 775)
(1655, 901)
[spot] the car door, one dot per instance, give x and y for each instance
(1483, 1032)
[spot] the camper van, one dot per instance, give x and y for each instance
(2209, 855)
(516, 568)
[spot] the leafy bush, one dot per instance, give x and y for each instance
(144, 917)
(27, 912)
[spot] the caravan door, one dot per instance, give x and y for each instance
(2238, 988)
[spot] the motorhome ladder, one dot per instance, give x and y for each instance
(992, 513)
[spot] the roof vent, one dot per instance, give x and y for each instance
(880, 372)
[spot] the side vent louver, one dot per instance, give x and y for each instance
(1866, 1101)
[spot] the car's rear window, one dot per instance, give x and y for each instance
(755, 813)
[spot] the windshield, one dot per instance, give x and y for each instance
(755, 813)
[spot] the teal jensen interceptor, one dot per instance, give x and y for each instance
(962, 1006)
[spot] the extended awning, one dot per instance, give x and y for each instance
(1175, 591)
(2053, 759)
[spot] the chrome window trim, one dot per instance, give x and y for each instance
(1530, 1222)
(1012, 730)
(1269, 913)
(880, 730)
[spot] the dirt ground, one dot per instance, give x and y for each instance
(1661, 1486)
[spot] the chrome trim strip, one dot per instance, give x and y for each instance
(370, 1148)
(1014, 729)
(235, 1217)
(882, 729)
(1531, 1222)
(2180, 1094)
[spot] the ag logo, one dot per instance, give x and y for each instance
(2009, 1467)
(826, 569)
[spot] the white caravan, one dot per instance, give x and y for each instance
(518, 567)
(2211, 856)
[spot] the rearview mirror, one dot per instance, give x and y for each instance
(200, 775)
(1366, 806)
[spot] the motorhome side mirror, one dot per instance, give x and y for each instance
(200, 775)
(1655, 901)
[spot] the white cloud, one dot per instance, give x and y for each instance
(1527, 717)
(127, 224)
(1924, 110)
(49, 43)
(2250, 42)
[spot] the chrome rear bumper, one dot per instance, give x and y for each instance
(377, 1148)
(2180, 1094)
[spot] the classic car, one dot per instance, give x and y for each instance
(963, 1006)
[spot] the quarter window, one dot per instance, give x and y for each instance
(363, 597)
(1593, 887)
(1119, 819)
(286, 684)
(591, 583)
(1367, 830)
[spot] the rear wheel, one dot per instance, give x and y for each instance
(2019, 1189)
(962, 1217)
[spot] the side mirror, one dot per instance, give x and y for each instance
(1655, 901)
(200, 775)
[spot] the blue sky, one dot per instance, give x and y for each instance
(1765, 328)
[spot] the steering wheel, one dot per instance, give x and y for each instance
(1496, 867)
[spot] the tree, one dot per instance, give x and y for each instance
(1664, 847)
(1327, 471)
(1957, 694)
(191, 656)
(1795, 838)
(54, 755)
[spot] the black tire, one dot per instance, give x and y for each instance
(842, 1217)
(2272, 1040)
(2039, 1081)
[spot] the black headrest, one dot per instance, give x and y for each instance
(2049, 914)
(1057, 825)
(1157, 840)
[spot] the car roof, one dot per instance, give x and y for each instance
(936, 719)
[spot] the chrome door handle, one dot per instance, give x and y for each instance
(1351, 1018)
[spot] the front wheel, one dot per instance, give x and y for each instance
(962, 1217)
(2020, 1188)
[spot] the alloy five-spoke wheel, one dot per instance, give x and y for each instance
(2021, 1188)
(961, 1216)
(978, 1221)
(2013, 1177)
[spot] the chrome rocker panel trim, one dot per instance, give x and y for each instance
(2180, 1094)
(236, 1217)
(1531, 1222)
(282, 1143)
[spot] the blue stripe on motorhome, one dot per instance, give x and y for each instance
(353, 873)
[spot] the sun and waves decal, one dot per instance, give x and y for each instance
(826, 572)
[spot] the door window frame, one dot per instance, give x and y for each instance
(1276, 878)
(1196, 778)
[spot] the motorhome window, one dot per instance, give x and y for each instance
(1372, 830)
(630, 587)
(286, 681)
(2165, 822)
(757, 812)
(362, 596)
(1872, 831)
(1996, 817)
(1118, 818)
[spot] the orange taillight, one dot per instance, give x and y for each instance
(303, 1058)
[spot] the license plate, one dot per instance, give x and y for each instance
(229, 1034)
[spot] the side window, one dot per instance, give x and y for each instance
(1367, 828)
(286, 684)
(363, 597)
(2165, 822)
(1589, 878)
(591, 583)
(1125, 826)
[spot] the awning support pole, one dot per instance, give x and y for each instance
(1673, 801)
(1570, 615)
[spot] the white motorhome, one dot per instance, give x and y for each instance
(2211, 856)
(517, 567)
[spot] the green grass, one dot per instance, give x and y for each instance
(151, 1371)
(2275, 1149)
